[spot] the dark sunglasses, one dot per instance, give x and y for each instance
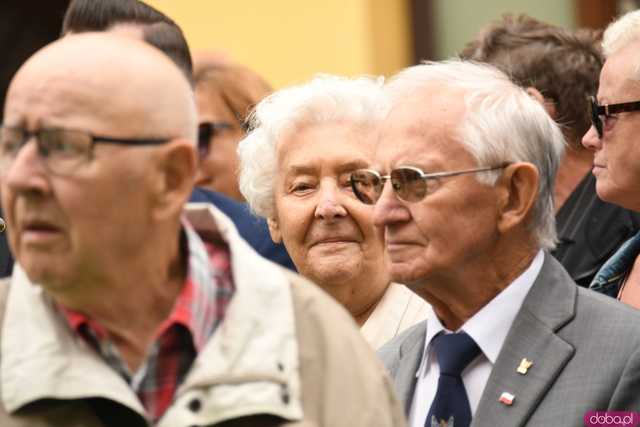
(206, 132)
(598, 112)
(410, 184)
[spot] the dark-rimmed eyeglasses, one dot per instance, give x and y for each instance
(409, 183)
(206, 132)
(62, 150)
(599, 113)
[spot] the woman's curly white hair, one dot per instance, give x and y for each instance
(324, 99)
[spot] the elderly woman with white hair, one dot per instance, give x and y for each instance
(295, 167)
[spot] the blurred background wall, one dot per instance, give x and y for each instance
(289, 41)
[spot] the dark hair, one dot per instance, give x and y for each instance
(563, 65)
(158, 29)
(170, 40)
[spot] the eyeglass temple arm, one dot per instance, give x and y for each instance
(618, 108)
(385, 178)
(119, 141)
(465, 171)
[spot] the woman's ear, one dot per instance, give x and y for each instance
(177, 163)
(274, 230)
(519, 191)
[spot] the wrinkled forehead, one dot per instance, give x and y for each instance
(620, 76)
(421, 125)
(49, 95)
(97, 83)
(427, 104)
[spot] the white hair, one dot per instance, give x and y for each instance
(324, 99)
(502, 123)
(621, 32)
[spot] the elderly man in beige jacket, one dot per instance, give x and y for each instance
(126, 309)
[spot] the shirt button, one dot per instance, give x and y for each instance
(284, 394)
(195, 405)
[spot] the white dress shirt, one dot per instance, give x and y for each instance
(398, 309)
(488, 328)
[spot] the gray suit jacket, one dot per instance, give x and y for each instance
(585, 350)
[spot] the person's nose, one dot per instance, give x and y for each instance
(330, 204)
(591, 140)
(389, 209)
(26, 172)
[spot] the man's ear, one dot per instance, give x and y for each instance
(547, 103)
(177, 163)
(518, 192)
(274, 230)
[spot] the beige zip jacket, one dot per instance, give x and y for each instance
(285, 355)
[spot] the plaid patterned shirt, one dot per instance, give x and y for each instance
(198, 310)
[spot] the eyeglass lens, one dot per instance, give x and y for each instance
(367, 186)
(62, 150)
(204, 139)
(407, 183)
(595, 117)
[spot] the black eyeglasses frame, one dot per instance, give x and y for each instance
(95, 139)
(44, 150)
(206, 131)
(608, 110)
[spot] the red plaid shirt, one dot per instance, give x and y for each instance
(198, 310)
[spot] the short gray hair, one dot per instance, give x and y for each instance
(324, 99)
(502, 123)
(621, 32)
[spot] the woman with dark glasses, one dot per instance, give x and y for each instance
(225, 95)
(295, 169)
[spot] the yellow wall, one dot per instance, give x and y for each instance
(288, 41)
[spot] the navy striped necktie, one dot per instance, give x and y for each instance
(450, 407)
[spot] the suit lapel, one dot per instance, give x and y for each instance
(410, 356)
(549, 305)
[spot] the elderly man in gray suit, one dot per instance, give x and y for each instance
(469, 218)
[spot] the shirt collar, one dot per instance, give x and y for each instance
(197, 305)
(490, 325)
(618, 264)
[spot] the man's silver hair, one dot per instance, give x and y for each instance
(502, 123)
(621, 32)
(324, 99)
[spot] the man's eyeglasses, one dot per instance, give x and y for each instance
(206, 132)
(599, 113)
(62, 150)
(410, 184)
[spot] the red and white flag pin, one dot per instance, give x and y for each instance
(506, 398)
